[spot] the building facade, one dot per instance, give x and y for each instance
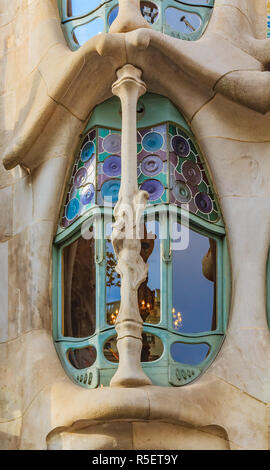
(134, 281)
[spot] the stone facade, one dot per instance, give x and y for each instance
(221, 84)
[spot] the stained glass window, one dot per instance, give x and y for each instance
(170, 169)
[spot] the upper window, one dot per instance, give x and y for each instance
(83, 19)
(184, 300)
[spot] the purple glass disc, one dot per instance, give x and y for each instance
(181, 146)
(204, 203)
(154, 188)
(80, 177)
(88, 194)
(191, 172)
(112, 166)
(112, 143)
(151, 165)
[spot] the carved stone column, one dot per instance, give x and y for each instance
(129, 17)
(127, 245)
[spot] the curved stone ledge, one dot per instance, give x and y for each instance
(214, 63)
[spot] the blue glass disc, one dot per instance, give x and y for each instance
(152, 141)
(87, 151)
(72, 208)
(110, 190)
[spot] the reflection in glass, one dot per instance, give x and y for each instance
(82, 358)
(149, 290)
(112, 15)
(79, 279)
(194, 285)
(152, 348)
(82, 33)
(110, 349)
(192, 354)
(149, 11)
(182, 21)
(113, 284)
(81, 7)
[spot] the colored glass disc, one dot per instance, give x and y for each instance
(154, 188)
(191, 172)
(87, 151)
(72, 209)
(112, 143)
(88, 194)
(110, 190)
(112, 166)
(152, 141)
(204, 203)
(181, 192)
(181, 146)
(80, 177)
(152, 165)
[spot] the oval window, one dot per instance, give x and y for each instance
(81, 358)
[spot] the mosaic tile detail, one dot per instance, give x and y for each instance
(188, 180)
(81, 187)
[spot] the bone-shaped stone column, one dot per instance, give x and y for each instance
(127, 245)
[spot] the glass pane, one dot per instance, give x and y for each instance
(152, 348)
(192, 354)
(149, 290)
(182, 21)
(81, 7)
(86, 31)
(149, 11)
(194, 285)
(82, 357)
(113, 284)
(110, 349)
(79, 289)
(112, 15)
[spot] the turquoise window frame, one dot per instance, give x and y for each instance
(164, 371)
(103, 11)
